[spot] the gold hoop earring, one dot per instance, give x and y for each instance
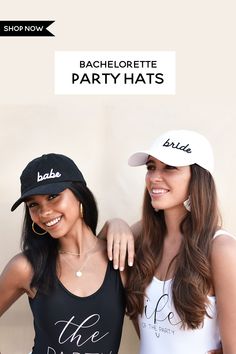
(36, 232)
(81, 210)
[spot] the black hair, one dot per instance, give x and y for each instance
(42, 251)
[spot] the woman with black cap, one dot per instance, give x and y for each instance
(181, 291)
(72, 288)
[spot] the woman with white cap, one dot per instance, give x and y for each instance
(181, 291)
(72, 288)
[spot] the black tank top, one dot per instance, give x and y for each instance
(68, 324)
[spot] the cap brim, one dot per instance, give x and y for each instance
(52, 188)
(178, 148)
(170, 158)
(138, 158)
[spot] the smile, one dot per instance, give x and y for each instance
(53, 222)
(159, 191)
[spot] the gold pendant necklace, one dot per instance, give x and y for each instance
(78, 272)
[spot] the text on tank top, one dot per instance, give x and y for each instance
(68, 324)
(160, 325)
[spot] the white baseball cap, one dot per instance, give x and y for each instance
(178, 148)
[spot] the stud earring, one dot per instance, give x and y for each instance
(187, 204)
(36, 232)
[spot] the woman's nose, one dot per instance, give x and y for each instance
(156, 176)
(45, 210)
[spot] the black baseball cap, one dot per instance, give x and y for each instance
(48, 174)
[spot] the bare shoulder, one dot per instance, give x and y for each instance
(223, 253)
(19, 270)
(14, 281)
(223, 242)
(19, 263)
(223, 264)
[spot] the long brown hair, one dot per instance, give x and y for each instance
(192, 272)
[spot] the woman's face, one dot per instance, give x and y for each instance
(58, 214)
(168, 186)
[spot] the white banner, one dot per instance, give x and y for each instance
(115, 73)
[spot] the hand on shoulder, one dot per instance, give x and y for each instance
(120, 242)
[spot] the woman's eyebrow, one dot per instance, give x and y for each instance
(150, 160)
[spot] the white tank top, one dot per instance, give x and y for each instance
(160, 325)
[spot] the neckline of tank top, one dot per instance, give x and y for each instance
(108, 269)
(219, 232)
(162, 281)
